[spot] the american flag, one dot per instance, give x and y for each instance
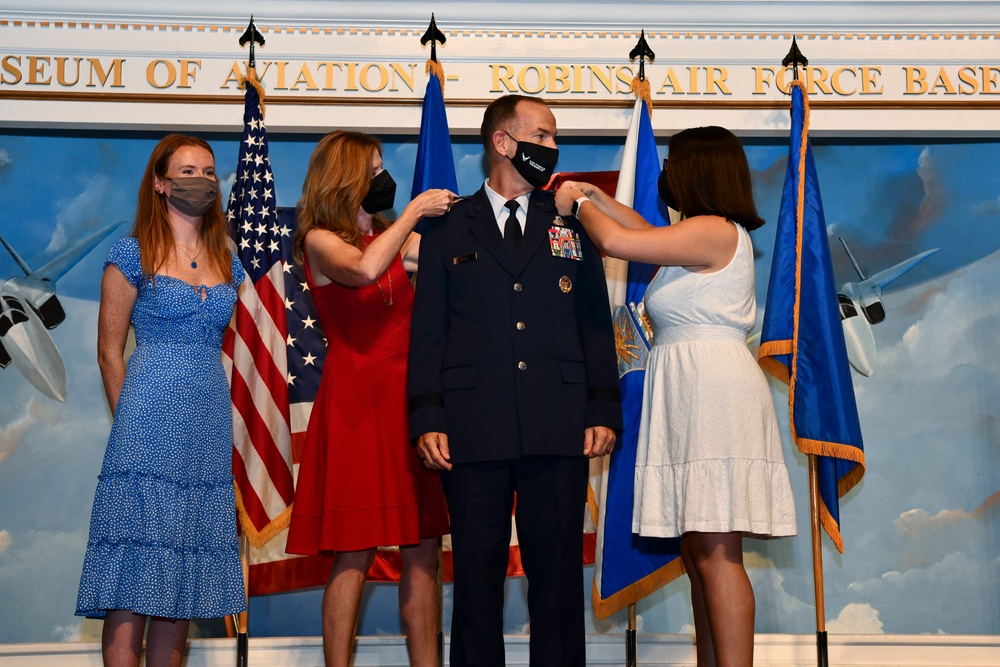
(255, 347)
(275, 351)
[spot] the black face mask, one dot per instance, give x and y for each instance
(534, 162)
(381, 194)
(664, 188)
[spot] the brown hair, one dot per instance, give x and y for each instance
(152, 226)
(501, 111)
(709, 175)
(337, 180)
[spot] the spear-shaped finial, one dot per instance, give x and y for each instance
(639, 85)
(433, 35)
(252, 36)
(795, 59)
(642, 51)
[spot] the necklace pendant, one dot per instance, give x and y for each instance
(194, 265)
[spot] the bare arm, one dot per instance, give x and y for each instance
(605, 203)
(702, 243)
(336, 260)
(411, 252)
(118, 297)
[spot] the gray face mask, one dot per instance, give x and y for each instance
(193, 195)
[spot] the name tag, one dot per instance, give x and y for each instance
(465, 258)
(565, 243)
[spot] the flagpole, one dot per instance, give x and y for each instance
(822, 660)
(440, 603)
(639, 86)
(252, 37)
(434, 70)
(796, 59)
(242, 619)
(630, 639)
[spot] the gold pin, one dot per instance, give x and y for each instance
(558, 221)
(565, 284)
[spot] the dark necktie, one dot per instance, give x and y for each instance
(512, 228)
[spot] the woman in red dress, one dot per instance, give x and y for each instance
(360, 485)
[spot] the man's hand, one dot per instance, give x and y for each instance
(432, 448)
(598, 441)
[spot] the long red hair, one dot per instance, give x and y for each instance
(338, 178)
(152, 225)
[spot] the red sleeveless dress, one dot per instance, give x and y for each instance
(360, 484)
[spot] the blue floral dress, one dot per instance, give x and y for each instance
(163, 539)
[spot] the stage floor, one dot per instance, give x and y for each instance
(653, 651)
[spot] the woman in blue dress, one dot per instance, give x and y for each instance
(163, 538)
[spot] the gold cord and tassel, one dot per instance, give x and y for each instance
(251, 79)
(641, 90)
(434, 68)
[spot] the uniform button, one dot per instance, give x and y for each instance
(517, 287)
(522, 366)
(520, 326)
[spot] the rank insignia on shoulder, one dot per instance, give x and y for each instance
(566, 285)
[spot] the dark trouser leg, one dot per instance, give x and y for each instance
(551, 496)
(480, 499)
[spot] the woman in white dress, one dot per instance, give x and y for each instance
(709, 464)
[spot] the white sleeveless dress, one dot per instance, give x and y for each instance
(709, 455)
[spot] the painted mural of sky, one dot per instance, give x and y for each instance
(921, 530)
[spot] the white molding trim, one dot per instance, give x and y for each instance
(733, 15)
(772, 650)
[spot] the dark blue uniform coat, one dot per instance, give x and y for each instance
(509, 357)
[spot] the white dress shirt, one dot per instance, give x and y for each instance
(499, 205)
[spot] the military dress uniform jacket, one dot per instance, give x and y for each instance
(510, 356)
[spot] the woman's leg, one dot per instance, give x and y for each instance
(341, 601)
(121, 638)
(418, 601)
(702, 629)
(166, 641)
(729, 602)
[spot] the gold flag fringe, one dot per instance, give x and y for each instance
(635, 592)
(259, 538)
(434, 68)
(641, 90)
(251, 79)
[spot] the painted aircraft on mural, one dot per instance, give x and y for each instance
(29, 309)
(861, 308)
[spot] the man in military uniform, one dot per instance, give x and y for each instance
(513, 386)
